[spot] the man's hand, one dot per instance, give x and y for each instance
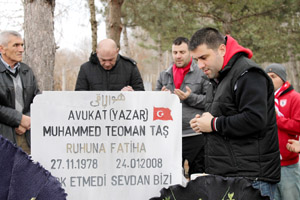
(293, 146)
(183, 95)
(20, 130)
(165, 89)
(193, 124)
(25, 122)
(202, 123)
(127, 88)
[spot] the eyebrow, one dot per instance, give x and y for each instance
(179, 51)
(202, 56)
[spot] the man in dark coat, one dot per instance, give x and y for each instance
(18, 87)
(240, 122)
(107, 70)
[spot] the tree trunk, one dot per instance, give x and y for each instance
(167, 59)
(294, 71)
(126, 49)
(94, 24)
(39, 40)
(160, 55)
(107, 22)
(115, 24)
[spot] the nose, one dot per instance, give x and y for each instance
(201, 64)
(21, 48)
(106, 63)
(178, 55)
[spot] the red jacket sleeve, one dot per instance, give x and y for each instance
(290, 122)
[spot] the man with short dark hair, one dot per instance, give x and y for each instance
(17, 90)
(183, 78)
(107, 70)
(240, 122)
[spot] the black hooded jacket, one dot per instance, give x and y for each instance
(244, 142)
(92, 76)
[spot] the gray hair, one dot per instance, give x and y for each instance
(4, 36)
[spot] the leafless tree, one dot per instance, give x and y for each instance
(39, 40)
(94, 23)
(114, 20)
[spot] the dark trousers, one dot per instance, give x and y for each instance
(193, 152)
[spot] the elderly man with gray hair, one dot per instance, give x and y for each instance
(18, 87)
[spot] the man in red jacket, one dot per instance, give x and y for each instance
(287, 103)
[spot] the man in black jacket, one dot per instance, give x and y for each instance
(240, 122)
(18, 87)
(107, 70)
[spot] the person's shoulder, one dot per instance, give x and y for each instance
(26, 69)
(24, 66)
(243, 61)
(87, 64)
(295, 94)
(92, 62)
(247, 65)
(166, 72)
(256, 73)
(127, 59)
(293, 97)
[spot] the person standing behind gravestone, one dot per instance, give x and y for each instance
(184, 78)
(17, 90)
(240, 122)
(287, 106)
(107, 70)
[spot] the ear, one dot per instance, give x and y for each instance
(2, 51)
(222, 49)
(117, 50)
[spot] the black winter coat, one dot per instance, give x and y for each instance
(245, 143)
(92, 76)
